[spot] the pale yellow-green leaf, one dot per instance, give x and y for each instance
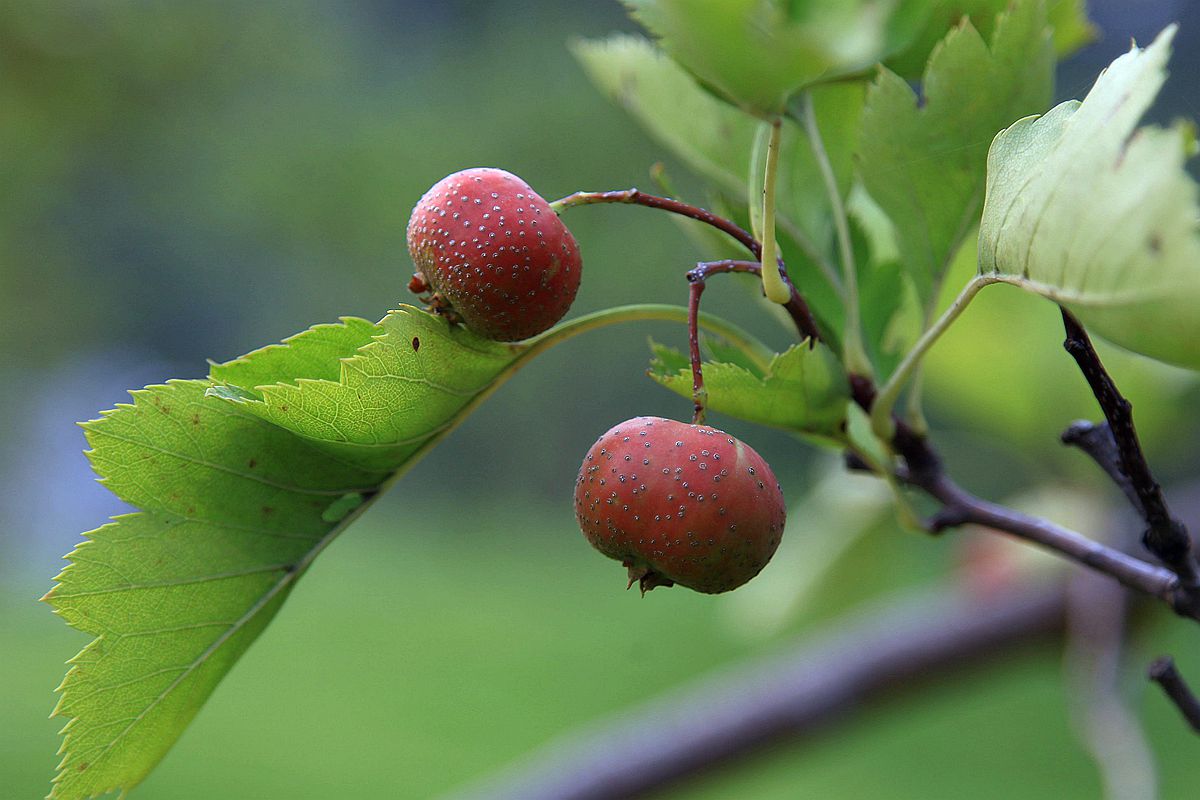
(1087, 209)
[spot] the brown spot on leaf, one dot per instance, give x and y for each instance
(252, 463)
(416, 343)
(268, 510)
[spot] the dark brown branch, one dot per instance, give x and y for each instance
(962, 507)
(1165, 536)
(1163, 672)
(796, 307)
(889, 648)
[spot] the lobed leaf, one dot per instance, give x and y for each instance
(1067, 18)
(756, 54)
(1094, 213)
(803, 388)
(240, 487)
(242, 481)
(923, 159)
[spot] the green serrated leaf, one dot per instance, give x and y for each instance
(313, 353)
(718, 349)
(1067, 18)
(394, 395)
(231, 513)
(234, 507)
(1092, 212)
(803, 389)
(240, 488)
(924, 159)
(758, 53)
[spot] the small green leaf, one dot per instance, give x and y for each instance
(1094, 213)
(758, 53)
(803, 389)
(924, 160)
(718, 349)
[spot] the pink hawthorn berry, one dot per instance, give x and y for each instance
(679, 503)
(494, 253)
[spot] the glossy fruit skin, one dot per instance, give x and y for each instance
(679, 503)
(495, 252)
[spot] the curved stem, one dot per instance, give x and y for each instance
(696, 279)
(640, 198)
(885, 398)
(751, 347)
(796, 306)
(852, 342)
(773, 286)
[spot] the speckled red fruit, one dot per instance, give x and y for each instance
(496, 252)
(679, 503)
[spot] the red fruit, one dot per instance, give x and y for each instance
(495, 253)
(679, 503)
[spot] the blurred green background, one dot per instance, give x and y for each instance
(182, 181)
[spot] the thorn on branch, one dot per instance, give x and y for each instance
(1096, 440)
(1163, 672)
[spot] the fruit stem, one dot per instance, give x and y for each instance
(773, 286)
(758, 353)
(699, 395)
(796, 306)
(637, 197)
(696, 278)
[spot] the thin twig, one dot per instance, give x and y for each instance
(797, 306)
(961, 507)
(1163, 672)
(1165, 536)
(891, 647)
(922, 469)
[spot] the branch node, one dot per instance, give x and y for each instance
(950, 516)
